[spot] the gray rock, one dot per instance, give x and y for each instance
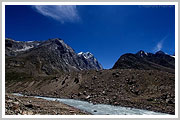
(53, 55)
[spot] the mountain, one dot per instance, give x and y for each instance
(46, 57)
(90, 60)
(52, 68)
(13, 47)
(146, 61)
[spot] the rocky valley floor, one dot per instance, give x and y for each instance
(145, 89)
(18, 105)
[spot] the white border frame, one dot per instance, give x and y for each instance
(89, 3)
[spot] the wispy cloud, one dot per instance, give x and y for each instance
(159, 45)
(62, 13)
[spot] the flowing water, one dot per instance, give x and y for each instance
(100, 109)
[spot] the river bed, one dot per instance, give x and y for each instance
(100, 109)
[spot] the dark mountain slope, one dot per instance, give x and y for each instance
(146, 61)
(48, 57)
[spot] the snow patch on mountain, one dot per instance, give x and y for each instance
(89, 58)
(25, 48)
(146, 53)
(86, 55)
(172, 56)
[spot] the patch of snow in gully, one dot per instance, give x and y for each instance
(25, 48)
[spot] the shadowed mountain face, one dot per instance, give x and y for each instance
(49, 57)
(146, 61)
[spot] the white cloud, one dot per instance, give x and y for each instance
(62, 13)
(159, 45)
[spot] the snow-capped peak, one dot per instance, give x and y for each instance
(86, 55)
(80, 53)
(90, 59)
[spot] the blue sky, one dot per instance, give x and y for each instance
(107, 31)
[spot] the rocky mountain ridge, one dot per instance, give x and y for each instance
(14, 48)
(46, 57)
(89, 58)
(146, 61)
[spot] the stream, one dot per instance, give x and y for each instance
(100, 109)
